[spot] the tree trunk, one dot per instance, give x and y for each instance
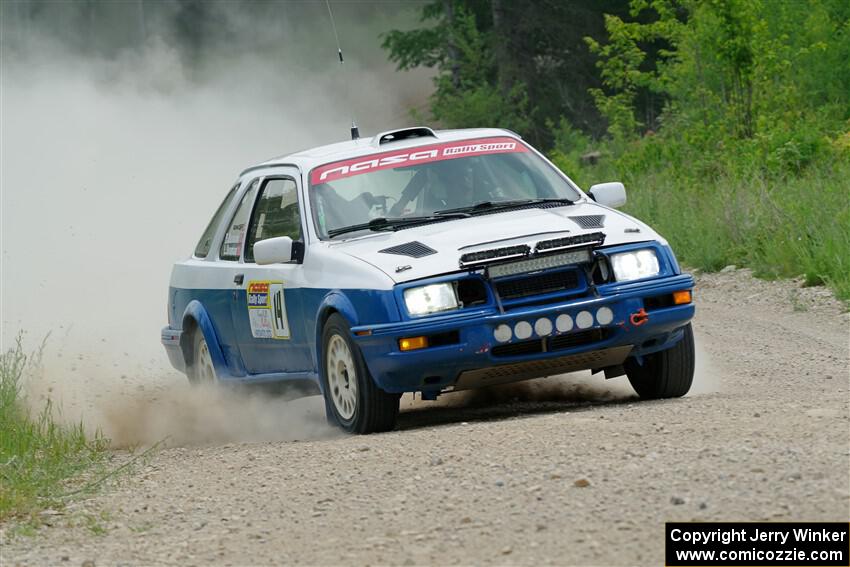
(451, 47)
(502, 46)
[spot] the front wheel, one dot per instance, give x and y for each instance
(665, 374)
(201, 369)
(352, 399)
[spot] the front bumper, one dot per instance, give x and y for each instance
(473, 349)
(171, 342)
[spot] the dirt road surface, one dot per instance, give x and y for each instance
(547, 473)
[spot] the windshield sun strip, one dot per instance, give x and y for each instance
(518, 146)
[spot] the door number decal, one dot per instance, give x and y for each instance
(267, 310)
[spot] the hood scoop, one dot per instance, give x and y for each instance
(589, 221)
(414, 249)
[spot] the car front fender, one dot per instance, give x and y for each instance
(195, 316)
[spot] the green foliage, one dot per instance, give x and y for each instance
(483, 104)
(768, 80)
(466, 95)
(721, 213)
(749, 160)
(466, 92)
(779, 227)
(38, 456)
(510, 64)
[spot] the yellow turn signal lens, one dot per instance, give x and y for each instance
(682, 297)
(413, 343)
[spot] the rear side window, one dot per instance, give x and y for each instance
(205, 243)
(231, 246)
(276, 214)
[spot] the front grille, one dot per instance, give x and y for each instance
(548, 282)
(658, 302)
(444, 339)
(549, 344)
(519, 349)
(579, 338)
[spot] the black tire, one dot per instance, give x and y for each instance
(374, 410)
(665, 374)
(197, 369)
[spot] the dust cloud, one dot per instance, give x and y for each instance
(139, 410)
(578, 387)
(197, 415)
(707, 377)
(120, 134)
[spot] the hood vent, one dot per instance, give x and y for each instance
(413, 249)
(589, 221)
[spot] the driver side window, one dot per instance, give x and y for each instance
(276, 214)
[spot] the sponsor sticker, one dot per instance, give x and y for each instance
(423, 154)
(258, 295)
(267, 310)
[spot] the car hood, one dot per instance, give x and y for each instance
(450, 239)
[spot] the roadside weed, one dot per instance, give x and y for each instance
(39, 457)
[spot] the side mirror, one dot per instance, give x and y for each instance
(273, 251)
(610, 194)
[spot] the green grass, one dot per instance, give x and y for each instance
(779, 227)
(717, 212)
(40, 459)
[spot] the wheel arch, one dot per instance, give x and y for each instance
(195, 317)
(333, 302)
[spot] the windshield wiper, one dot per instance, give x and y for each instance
(487, 206)
(383, 223)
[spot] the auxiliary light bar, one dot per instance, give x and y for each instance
(539, 263)
(494, 255)
(592, 238)
(544, 247)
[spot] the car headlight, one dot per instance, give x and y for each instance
(430, 299)
(635, 265)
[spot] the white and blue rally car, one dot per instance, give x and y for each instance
(426, 261)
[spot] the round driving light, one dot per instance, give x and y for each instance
(503, 333)
(522, 330)
(543, 326)
(564, 323)
(584, 320)
(604, 315)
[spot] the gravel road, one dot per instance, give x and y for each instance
(544, 473)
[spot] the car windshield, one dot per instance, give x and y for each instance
(397, 187)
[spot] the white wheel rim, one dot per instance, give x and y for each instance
(206, 370)
(342, 377)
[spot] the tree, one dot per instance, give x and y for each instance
(511, 64)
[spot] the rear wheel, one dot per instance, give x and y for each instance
(352, 399)
(201, 370)
(665, 374)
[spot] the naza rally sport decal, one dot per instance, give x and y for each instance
(420, 154)
(267, 310)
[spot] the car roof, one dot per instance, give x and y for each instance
(418, 136)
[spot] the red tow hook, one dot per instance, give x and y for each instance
(639, 318)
